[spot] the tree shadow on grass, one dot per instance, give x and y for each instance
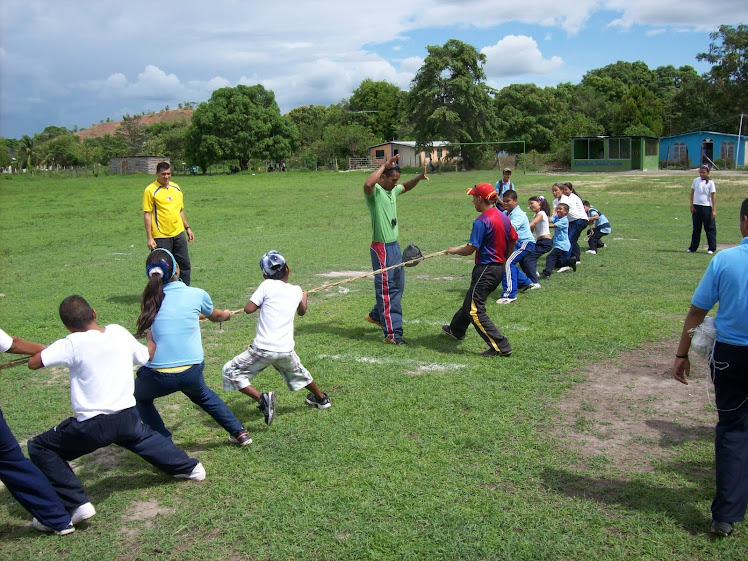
(126, 299)
(683, 503)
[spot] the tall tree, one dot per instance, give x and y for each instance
(132, 133)
(729, 72)
(449, 100)
(378, 102)
(527, 112)
(240, 123)
(27, 153)
(639, 107)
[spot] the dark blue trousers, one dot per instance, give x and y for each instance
(530, 263)
(389, 287)
(179, 248)
(575, 229)
(52, 450)
(514, 279)
(151, 384)
(702, 216)
(27, 484)
(557, 258)
(730, 374)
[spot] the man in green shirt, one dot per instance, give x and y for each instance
(381, 190)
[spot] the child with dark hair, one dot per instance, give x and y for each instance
(703, 211)
(577, 218)
(560, 255)
(600, 227)
(514, 280)
(172, 310)
(278, 303)
(543, 244)
(100, 360)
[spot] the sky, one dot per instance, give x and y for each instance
(77, 63)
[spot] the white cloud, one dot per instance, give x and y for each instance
(655, 32)
(515, 55)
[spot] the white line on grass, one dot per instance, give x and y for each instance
(422, 366)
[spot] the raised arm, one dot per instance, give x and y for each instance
(371, 181)
(463, 250)
(408, 185)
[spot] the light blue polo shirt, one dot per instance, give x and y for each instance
(726, 282)
(522, 225)
(561, 233)
(176, 328)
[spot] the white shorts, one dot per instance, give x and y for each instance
(242, 368)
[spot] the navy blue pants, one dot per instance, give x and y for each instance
(151, 384)
(389, 287)
(557, 258)
(485, 279)
(52, 450)
(179, 249)
(730, 374)
(530, 263)
(27, 484)
(575, 229)
(702, 216)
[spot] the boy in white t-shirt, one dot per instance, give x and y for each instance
(703, 211)
(278, 303)
(101, 393)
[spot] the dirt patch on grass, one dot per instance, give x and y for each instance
(630, 412)
(143, 513)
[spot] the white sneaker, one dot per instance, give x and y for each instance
(534, 286)
(83, 512)
(590, 252)
(197, 473)
(42, 528)
(564, 269)
(579, 262)
(710, 252)
(505, 300)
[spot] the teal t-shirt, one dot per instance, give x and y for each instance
(382, 205)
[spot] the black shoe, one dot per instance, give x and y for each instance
(267, 406)
(546, 277)
(323, 403)
(446, 329)
(241, 438)
(720, 529)
(574, 266)
(494, 352)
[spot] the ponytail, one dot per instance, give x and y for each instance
(150, 304)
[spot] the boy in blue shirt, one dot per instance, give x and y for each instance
(515, 280)
(560, 255)
(600, 227)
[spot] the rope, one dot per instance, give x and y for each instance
(15, 362)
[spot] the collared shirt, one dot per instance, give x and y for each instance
(502, 188)
(702, 191)
(522, 225)
(726, 281)
(382, 205)
(165, 204)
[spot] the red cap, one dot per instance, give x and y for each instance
(484, 191)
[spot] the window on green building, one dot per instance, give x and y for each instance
(581, 149)
(597, 149)
(619, 149)
(650, 147)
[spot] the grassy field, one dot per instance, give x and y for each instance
(430, 451)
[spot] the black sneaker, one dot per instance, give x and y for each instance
(267, 406)
(720, 529)
(446, 329)
(574, 266)
(323, 403)
(494, 352)
(241, 438)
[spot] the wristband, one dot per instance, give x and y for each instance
(682, 356)
(187, 228)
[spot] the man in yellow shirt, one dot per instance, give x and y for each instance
(165, 224)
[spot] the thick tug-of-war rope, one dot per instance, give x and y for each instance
(15, 362)
(408, 263)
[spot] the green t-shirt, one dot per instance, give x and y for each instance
(382, 207)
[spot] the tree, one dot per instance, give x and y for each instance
(132, 133)
(378, 102)
(639, 107)
(729, 60)
(240, 123)
(27, 153)
(449, 100)
(527, 112)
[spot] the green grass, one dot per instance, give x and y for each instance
(429, 451)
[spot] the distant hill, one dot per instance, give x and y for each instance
(110, 128)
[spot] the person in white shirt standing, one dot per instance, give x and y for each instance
(278, 303)
(703, 211)
(100, 360)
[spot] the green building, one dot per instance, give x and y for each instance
(614, 153)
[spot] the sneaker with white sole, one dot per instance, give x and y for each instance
(446, 329)
(69, 529)
(591, 252)
(241, 439)
(267, 406)
(197, 473)
(710, 252)
(83, 512)
(534, 286)
(564, 269)
(505, 300)
(323, 403)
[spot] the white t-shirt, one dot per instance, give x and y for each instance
(101, 380)
(6, 341)
(576, 207)
(542, 228)
(278, 302)
(702, 191)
